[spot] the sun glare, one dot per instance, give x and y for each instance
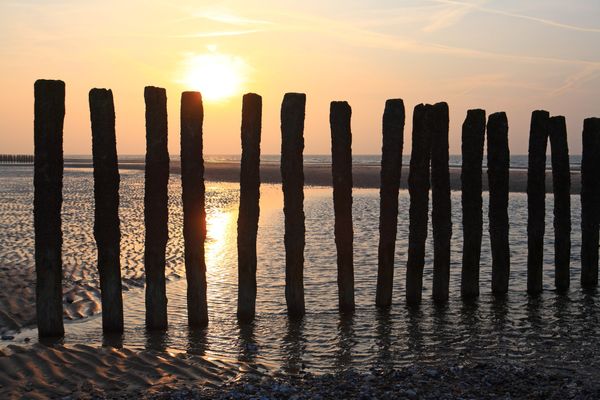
(216, 76)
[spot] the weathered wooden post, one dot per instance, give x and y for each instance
(473, 135)
(441, 213)
(418, 187)
(106, 211)
(590, 201)
(391, 168)
(49, 113)
(249, 210)
(156, 212)
(498, 163)
(292, 177)
(341, 166)
(194, 213)
(536, 195)
(561, 183)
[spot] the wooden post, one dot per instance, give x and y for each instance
(498, 156)
(292, 177)
(106, 211)
(249, 205)
(590, 202)
(441, 214)
(561, 183)
(418, 187)
(49, 113)
(341, 166)
(391, 168)
(194, 213)
(473, 135)
(536, 195)
(156, 212)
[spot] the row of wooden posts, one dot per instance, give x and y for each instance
(16, 159)
(428, 169)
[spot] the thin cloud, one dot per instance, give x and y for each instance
(448, 17)
(543, 21)
(348, 32)
(231, 19)
(216, 34)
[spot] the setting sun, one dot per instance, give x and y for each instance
(216, 76)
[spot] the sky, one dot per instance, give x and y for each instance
(511, 55)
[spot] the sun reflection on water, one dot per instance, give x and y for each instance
(220, 236)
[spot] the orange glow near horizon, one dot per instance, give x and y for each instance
(217, 76)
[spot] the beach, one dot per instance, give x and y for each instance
(326, 354)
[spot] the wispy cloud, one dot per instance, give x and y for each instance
(548, 22)
(231, 19)
(352, 34)
(577, 79)
(216, 34)
(448, 16)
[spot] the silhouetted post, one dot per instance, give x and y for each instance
(156, 212)
(441, 214)
(341, 167)
(47, 201)
(590, 201)
(292, 177)
(249, 211)
(194, 213)
(418, 187)
(561, 183)
(473, 135)
(498, 156)
(536, 195)
(391, 168)
(106, 210)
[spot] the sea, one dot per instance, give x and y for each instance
(455, 161)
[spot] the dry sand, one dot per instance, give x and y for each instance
(364, 176)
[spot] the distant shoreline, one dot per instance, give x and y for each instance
(364, 176)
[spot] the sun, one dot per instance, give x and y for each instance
(217, 76)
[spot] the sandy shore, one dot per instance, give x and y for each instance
(364, 176)
(80, 371)
(86, 372)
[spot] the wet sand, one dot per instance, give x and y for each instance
(363, 176)
(80, 371)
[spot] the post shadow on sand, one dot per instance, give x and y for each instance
(294, 346)
(414, 330)
(197, 341)
(384, 341)
(248, 345)
(346, 341)
(113, 339)
(157, 340)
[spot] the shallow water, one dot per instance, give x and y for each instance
(557, 330)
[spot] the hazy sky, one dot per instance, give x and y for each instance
(510, 55)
